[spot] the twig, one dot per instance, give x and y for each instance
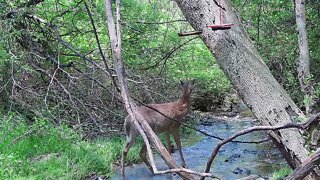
(219, 5)
(22, 136)
(257, 128)
(200, 131)
(99, 46)
(99, 83)
(186, 170)
(70, 47)
(163, 22)
(167, 56)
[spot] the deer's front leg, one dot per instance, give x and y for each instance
(168, 143)
(176, 136)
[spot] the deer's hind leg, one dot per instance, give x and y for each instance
(127, 146)
(143, 156)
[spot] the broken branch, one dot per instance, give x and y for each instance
(257, 128)
(138, 119)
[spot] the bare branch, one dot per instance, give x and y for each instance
(169, 54)
(162, 22)
(99, 45)
(186, 170)
(257, 128)
(198, 130)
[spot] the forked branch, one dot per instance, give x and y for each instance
(257, 128)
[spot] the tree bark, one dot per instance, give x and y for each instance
(303, 62)
(241, 62)
(308, 165)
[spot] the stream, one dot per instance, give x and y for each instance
(234, 160)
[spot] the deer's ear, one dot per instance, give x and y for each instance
(192, 81)
(191, 84)
(181, 83)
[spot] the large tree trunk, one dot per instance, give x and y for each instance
(304, 58)
(241, 62)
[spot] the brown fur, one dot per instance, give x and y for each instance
(160, 124)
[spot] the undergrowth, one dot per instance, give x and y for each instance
(39, 150)
(42, 151)
(281, 174)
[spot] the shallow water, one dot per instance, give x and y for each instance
(234, 160)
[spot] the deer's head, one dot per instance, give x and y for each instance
(187, 87)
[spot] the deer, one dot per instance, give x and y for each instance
(168, 122)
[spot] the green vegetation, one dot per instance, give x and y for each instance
(281, 174)
(41, 151)
(246, 113)
(272, 27)
(52, 74)
(156, 58)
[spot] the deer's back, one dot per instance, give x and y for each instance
(156, 120)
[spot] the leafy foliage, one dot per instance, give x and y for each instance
(51, 69)
(271, 25)
(56, 56)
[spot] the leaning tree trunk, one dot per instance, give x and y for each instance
(304, 58)
(241, 62)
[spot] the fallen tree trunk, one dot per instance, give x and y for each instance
(241, 62)
(306, 167)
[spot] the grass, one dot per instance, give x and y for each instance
(246, 113)
(281, 174)
(41, 151)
